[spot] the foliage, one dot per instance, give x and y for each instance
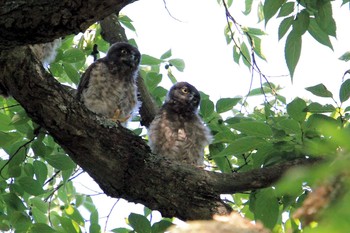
(298, 17)
(37, 191)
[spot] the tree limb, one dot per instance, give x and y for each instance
(31, 22)
(119, 161)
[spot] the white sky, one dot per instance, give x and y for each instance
(199, 40)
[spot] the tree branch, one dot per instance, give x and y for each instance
(30, 22)
(119, 161)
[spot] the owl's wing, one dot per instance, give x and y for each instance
(85, 78)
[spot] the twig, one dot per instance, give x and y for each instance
(11, 106)
(11, 157)
(166, 7)
(109, 214)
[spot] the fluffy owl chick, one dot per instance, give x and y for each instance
(177, 132)
(108, 87)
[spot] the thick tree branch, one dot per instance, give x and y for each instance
(119, 161)
(30, 22)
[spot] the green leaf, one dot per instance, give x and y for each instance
(41, 228)
(345, 56)
(324, 18)
(206, 108)
(166, 55)
(19, 118)
(74, 214)
(246, 55)
(5, 123)
(248, 7)
(344, 92)
(316, 121)
(254, 31)
(159, 92)
(121, 230)
(318, 108)
(152, 80)
(56, 69)
(73, 55)
(7, 139)
(94, 228)
(226, 104)
(236, 54)
(20, 221)
(271, 7)
(320, 90)
(68, 225)
(89, 204)
(30, 186)
(253, 128)
(318, 34)
(140, 223)
(39, 148)
(71, 72)
(260, 12)
(226, 136)
(178, 63)
(257, 47)
(290, 126)
(13, 202)
(266, 207)
(171, 77)
(146, 211)
(292, 51)
(127, 22)
(345, 1)
(39, 204)
(161, 226)
(149, 60)
(242, 145)
(286, 9)
(60, 161)
(228, 33)
(301, 23)
(28, 169)
(295, 109)
(284, 26)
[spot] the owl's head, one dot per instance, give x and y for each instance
(124, 53)
(183, 97)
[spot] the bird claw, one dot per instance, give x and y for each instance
(116, 117)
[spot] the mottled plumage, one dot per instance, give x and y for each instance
(108, 87)
(177, 131)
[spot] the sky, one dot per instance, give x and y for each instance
(198, 38)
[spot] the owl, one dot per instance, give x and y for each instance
(46, 52)
(108, 87)
(177, 131)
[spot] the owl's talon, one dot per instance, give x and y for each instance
(201, 166)
(116, 117)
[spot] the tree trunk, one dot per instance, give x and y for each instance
(39, 21)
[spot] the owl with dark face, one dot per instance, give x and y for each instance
(177, 132)
(108, 87)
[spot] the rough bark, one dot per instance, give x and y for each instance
(39, 21)
(119, 161)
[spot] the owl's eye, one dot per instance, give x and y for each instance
(124, 51)
(184, 90)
